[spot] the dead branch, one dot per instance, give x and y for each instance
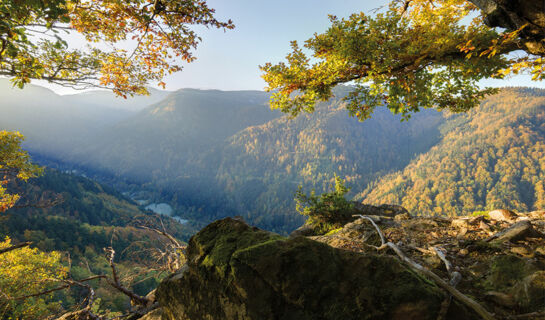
(114, 282)
(84, 313)
(174, 256)
(66, 286)
(455, 278)
(421, 250)
(443, 258)
(442, 283)
(382, 239)
(173, 240)
(15, 247)
(516, 231)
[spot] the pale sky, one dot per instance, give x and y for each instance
(229, 60)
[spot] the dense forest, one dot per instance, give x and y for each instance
(252, 164)
(80, 218)
(96, 206)
(492, 157)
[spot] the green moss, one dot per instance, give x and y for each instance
(506, 271)
(239, 272)
(332, 232)
(480, 213)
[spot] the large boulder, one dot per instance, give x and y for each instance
(235, 271)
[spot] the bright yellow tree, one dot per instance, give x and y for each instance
(27, 271)
(14, 164)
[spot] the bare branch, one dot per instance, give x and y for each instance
(66, 286)
(443, 258)
(442, 283)
(15, 247)
(114, 282)
(455, 278)
(165, 234)
(382, 239)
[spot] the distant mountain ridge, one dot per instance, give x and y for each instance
(176, 134)
(54, 124)
(212, 153)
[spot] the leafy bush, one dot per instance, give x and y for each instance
(327, 211)
(480, 213)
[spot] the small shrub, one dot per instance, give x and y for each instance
(480, 213)
(327, 211)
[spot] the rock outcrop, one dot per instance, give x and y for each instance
(235, 271)
(501, 261)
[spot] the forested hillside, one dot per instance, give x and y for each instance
(214, 153)
(81, 218)
(211, 154)
(492, 157)
(262, 166)
(54, 125)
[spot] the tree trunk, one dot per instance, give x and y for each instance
(514, 14)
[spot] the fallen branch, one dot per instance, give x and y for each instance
(455, 278)
(442, 283)
(382, 239)
(443, 258)
(516, 231)
(421, 250)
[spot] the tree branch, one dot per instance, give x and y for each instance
(114, 282)
(15, 247)
(442, 283)
(474, 305)
(66, 286)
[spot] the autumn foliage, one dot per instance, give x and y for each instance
(129, 43)
(410, 55)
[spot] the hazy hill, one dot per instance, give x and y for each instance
(212, 153)
(262, 166)
(55, 124)
(176, 137)
(492, 157)
(109, 99)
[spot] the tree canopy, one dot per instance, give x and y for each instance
(34, 41)
(412, 54)
(27, 271)
(14, 164)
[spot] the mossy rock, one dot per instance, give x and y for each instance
(238, 272)
(506, 271)
(530, 292)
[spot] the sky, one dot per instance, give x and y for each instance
(230, 60)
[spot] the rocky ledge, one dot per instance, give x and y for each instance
(235, 271)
